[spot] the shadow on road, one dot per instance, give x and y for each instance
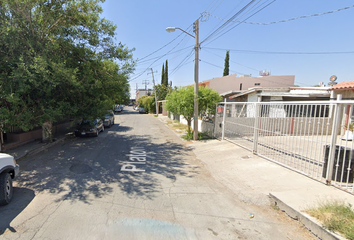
(81, 169)
(22, 197)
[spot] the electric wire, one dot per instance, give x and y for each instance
(181, 63)
(177, 51)
(159, 48)
(147, 69)
(206, 50)
(286, 20)
(221, 67)
(220, 35)
(228, 21)
(290, 53)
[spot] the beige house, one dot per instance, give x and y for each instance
(273, 94)
(346, 89)
(234, 84)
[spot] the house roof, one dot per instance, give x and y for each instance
(229, 93)
(343, 86)
(286, 92)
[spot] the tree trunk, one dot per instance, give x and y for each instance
(189, 121)
(47, 132)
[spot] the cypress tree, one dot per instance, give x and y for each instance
(226, 67)
(162, 74)
(166, 74)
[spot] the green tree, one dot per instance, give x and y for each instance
(165, 82)
(147, 102)
(163, 74)
(208, 99)
(227, 64)
(58, 58)
(162, 91)
(181, 102)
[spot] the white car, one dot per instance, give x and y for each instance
(9, 170)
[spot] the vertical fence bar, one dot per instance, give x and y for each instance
(332, 147)
(223, 121)
(256, 125)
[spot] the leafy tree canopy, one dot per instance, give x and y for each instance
(181, 102)
(147, 102)
(162, 91)
(58, 58)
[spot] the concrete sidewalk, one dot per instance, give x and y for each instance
(35, 147)
(261, 182)
(254, 179)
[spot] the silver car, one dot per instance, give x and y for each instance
(108, 120)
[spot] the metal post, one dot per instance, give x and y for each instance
(153, 80)
(196, 79)
(332, 146)
(223, 121)
(256, 124)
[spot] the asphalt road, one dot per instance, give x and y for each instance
(136, 180)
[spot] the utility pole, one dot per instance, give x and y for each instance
(196, 72)
(196, 78)
(153, 81)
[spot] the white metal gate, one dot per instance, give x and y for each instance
(313, 138)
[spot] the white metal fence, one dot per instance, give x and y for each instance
(313, 138)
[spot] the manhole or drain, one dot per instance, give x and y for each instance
(80, 168)
(245, 157)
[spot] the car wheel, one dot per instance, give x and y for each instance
(6, 189)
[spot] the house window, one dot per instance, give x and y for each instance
(240, 86)
(257, 84)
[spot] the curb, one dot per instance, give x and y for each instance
(43, 147)
(311, 224)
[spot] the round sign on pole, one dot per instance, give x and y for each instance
(333, 78)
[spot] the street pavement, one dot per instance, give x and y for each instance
(253, 179)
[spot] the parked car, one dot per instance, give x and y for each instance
(108, 120)
(9, 170)
(89, 128)
(117, 108)
(142, 110)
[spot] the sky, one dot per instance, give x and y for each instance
(312, 40)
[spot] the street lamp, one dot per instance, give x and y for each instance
(196, 72)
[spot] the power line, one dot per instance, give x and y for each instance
(158, 59)
(232, 61)
(286, 20)
(221, 67)
(273, 52)
(180, 50)
(242, 21)
(228, 21)
(180, 64)
(160, 48)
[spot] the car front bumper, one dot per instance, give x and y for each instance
(85, 133)
(17, 170)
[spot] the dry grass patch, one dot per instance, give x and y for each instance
(335, 216)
